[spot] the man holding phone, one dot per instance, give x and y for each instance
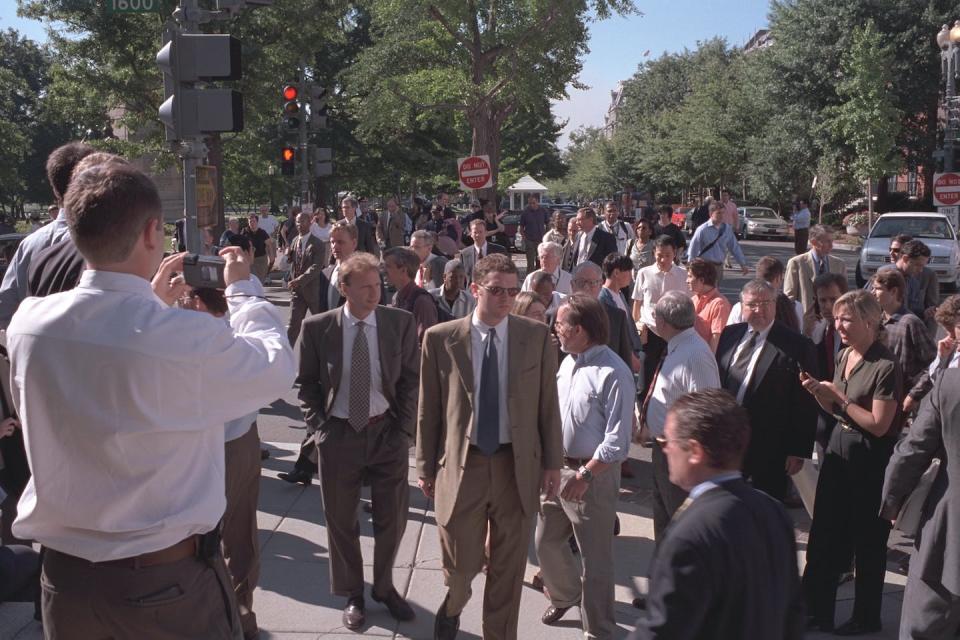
(137, 554)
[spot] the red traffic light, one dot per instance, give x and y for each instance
(287, 155)
(290, 92)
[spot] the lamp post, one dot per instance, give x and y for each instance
(271, 171)
(949, 42)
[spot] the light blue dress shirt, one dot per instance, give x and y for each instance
(705, 234)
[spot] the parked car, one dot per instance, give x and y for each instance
(934, 229)
(680, 214)
(761, 222)
(8, 246)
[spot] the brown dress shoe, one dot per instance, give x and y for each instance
(354, 615)
(398, 607)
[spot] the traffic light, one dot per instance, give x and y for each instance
(322, 161)
(188, 111)
(318, 107)
(291, 106)
(288, 161)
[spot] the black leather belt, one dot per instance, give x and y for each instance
(575, 463)
(506, 446)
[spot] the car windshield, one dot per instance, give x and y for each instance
(761, 213)
(921, 227)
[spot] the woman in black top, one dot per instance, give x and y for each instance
(865, 397)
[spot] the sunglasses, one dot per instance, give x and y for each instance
(499, 291)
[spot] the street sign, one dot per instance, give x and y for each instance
(206, 196)
(953, 215)
(946, 189)
(134, 6)
(475, 172)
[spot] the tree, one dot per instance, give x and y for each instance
(484, 60)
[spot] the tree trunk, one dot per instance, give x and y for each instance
(485, 122)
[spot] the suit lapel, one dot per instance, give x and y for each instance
(460, 346)
(515, 349)
(727, 359)
(767, 355)
(385, 337)
(334, 344)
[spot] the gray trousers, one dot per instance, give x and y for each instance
(591, 521)
(929, 611)
(667, 497)
(241, 548)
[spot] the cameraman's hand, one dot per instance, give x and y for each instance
(238, 264)
(168, 288)
(8, 426)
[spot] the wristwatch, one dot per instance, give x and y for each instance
(585, 474)
(843, 406)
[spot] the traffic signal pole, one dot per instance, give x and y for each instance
(303, 141)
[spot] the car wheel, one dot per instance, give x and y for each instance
(858, 277)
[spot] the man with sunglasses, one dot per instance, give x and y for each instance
(488, 443)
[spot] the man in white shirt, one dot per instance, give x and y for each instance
(688, 365)
(146, 436)
(358, 390)
(60, 166)
(550, 254)
(619, 229)
(269, 223)
(652, 283)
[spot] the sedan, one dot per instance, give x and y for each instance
(933, 229)
(761, 222)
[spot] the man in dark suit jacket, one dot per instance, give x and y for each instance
(362, 410)
(469, 256)
(727, 566)
(592, 243)
(760, 362)
(306, 254)
(931, 602)
(366, 238)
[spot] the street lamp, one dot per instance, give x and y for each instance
(271, 171)
(949, 42)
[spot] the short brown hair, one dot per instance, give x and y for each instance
(403, 257)
(892, 280)
(825, 280)
(715, 420)
(948, 313)
(359, 262)
(586, 312)
(343, 225)
(769, 268)
(588, 212)
(60, 165)
(97, 158)
(107, 208)
(493, 263)
(703, 271)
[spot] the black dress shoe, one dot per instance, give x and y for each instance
(856, 628)
(816, 624)
(297, 475)
(264, 454)
(445, 627)
(553, 614)
(640, 602)
(397, 606)
(354, 614)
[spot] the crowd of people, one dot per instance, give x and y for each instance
(131, 460)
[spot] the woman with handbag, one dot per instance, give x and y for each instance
(865, 397)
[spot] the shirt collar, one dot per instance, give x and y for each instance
(370, 320)
(588, 355)
(116, 281)
(710, 295)
(896, 315)
(713, 482)
(816, 256)
(483, 328)
(680, 338)
(62, 216)
(763, 332)
(482, 247)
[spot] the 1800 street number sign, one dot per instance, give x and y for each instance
(134, 6)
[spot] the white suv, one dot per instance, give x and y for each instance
(933, 229)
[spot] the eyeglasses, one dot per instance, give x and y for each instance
(895, 250)
(662, 441)
(758, 304)
(499, 291)
(587, 283)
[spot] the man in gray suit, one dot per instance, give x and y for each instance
(931, 602)
(469, 256)
(430, 274)
(306, 254)
(358, 391)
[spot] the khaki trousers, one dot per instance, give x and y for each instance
(298, 311)
(488, 497)
(241, 549)
(261, 268)
(591, 522)
(380, 454)
(190, 599)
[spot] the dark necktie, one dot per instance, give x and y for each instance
(821, 266)
(488, 413)
(737, 373)
(360, 380)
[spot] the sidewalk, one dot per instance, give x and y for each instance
(293, 600)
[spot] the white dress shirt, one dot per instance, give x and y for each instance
(752, 364)
(482, 250)
(689, 366)
(378, 402)
(652, 284)
(479, 334)
(953, 363)
(562, 281)
(622, 232)
(597, 395)
(583, 253)
(123, 402)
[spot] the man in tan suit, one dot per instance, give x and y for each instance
(306, 267)
(488, 443)
(390, 225)
(802, 269)
(358, 391)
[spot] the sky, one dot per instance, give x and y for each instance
(617, 45)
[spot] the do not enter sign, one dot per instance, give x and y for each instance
(946, 189)
(475, 172)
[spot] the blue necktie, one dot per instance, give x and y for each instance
(488, 414)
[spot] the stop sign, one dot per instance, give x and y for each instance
(946, 189)
(475, 172)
